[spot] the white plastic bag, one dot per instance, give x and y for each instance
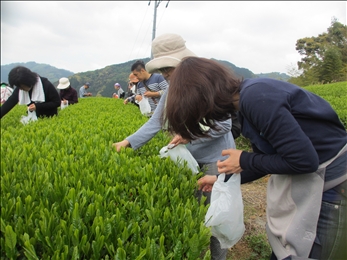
(179, 154)
(145, 107)
(30, 117)
(225, 213)
(62, 105)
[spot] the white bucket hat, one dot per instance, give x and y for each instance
(63, 83)
(168, 50)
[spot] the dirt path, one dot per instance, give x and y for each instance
(254, 199)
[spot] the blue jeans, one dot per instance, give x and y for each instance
(331, 240)
(331, 237)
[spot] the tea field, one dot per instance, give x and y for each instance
(66, 193)
(336, 95)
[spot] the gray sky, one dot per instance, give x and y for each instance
(87, 35)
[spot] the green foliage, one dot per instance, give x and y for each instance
(260, 246)
(336, 95)
(324, 57)
(10, 242)
(243, 143)
(330, 69)
(67, 194)
(308, 78)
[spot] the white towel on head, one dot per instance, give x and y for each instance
(37, 95)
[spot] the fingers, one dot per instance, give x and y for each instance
(170, 146)
(207, 188)
(115, 145)
(206, 183)
(225, 167)
(119, 145)
(226, 152)
(230, 164)
(175, 141)
(32, 107)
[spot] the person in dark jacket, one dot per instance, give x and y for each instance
(68, 95)
(37, 92)
(296, 137)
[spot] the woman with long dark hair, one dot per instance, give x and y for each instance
(296, 137)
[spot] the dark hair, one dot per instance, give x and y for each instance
(138, 65)
(201, 92)
(22, 75)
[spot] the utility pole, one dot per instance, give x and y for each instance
(154, 21)
(156, 4)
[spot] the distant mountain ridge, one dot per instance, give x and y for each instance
(102, 80)
(52, 73)
(274, 75)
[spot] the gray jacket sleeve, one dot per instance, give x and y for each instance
(146, 132)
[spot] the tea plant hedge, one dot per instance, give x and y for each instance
(66, 194)
(336, 95)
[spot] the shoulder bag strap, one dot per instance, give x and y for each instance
(144, 83)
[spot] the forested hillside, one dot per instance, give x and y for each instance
(102, 80)
(52, 73)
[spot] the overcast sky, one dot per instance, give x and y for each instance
(87, 35)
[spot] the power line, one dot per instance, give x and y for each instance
(138, 34)
(158, 26)
(156, 5)
(144, 37)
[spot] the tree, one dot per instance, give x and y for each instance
(325, 56)
(331, 67)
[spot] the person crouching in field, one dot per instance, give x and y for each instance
(68, 95)
(37, 92)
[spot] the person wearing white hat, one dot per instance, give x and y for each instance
(168, 51)
(68, 95)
